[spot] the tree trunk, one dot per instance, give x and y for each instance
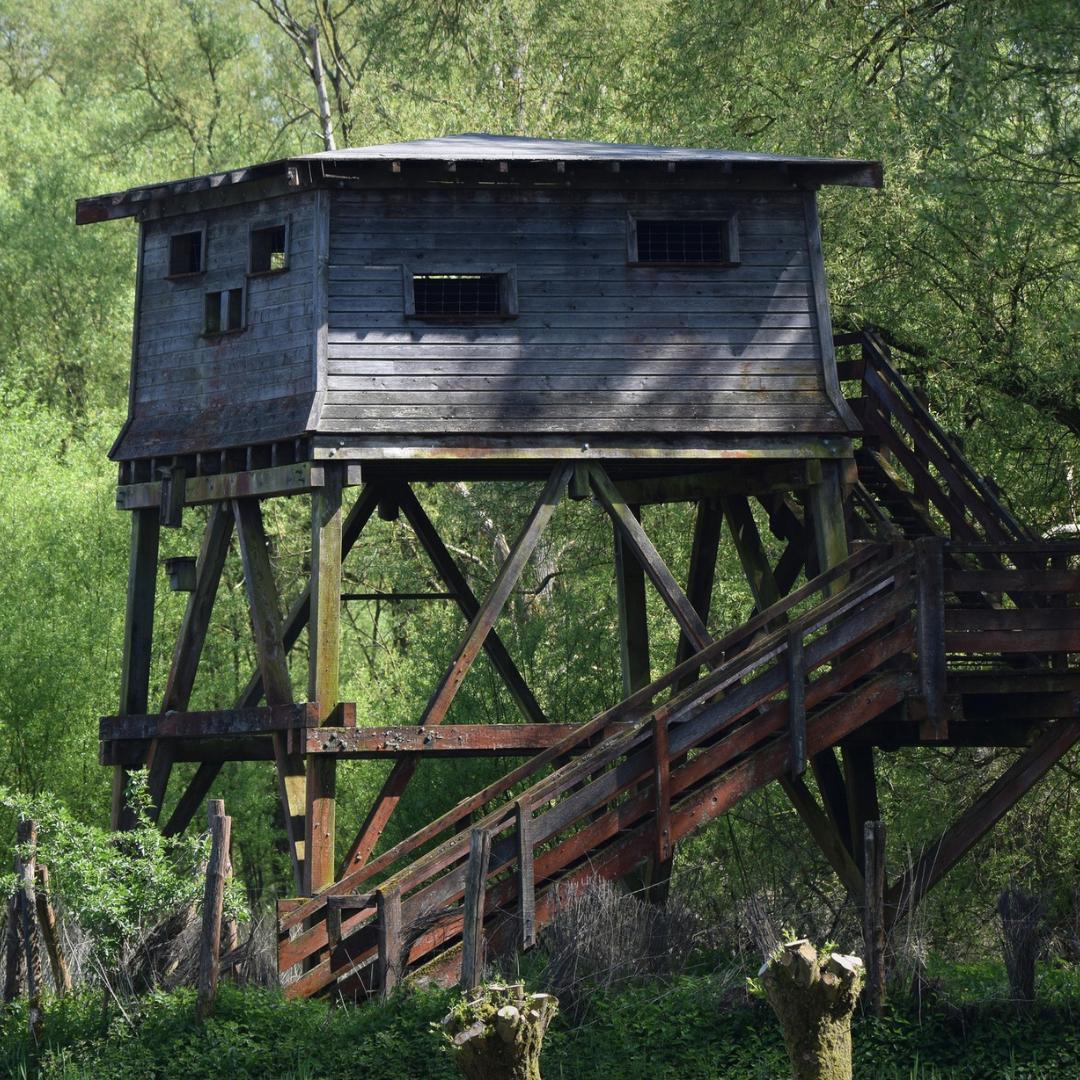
(1022, 937)
(814, 997)
(497, 1032)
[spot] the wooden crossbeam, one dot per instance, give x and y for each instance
(210, 724)
(478, 631)
(262, 595)
(695, 487)
(651, 562)
(295, 479)
(941, 855)
(446, 740)
(455, 581)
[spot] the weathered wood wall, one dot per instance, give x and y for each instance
(598, 345)
(200, 393)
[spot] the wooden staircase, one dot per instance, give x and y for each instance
(951, 624)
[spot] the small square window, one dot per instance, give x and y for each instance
(223, 312)
(454, 295)
(268, 254)
(689, 241)
(186, 253)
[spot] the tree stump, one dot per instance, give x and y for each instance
(497, 1031)
(814, 997)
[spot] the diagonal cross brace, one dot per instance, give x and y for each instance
(273, 666)
(190, 642)
(467, 652)
(294, 624)
(636, 539)
(454, 579)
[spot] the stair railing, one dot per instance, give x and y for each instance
(601, 809)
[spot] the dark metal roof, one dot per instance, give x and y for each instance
(480, 148)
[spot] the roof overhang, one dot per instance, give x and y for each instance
(498, 158)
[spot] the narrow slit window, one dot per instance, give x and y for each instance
(223, 312)
(461, 296)
(186, 253)
(684, 241)
(269, 254)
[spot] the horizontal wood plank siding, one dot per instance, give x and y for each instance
(597, 344)
(194, 392)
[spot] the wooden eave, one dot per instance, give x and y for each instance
(489, 160)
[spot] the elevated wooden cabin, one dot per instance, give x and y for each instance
(485, 297)
(639, 324)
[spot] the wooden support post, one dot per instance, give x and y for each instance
(49, 934)
(472, 934)
(654, 566)
(390, 959)
(25, 863)
(830, 782)
(295, 621)
(270, 651)
(860, 783)
(661, 869)
(138, 636)
(826, 504)
(824, 832)
(455, 581)
(479, 629)
(526, 875)
(217, 874)
(324, 664)
(633, 616)
(702, 575)
(796, 676)
(873, 914)
(930, 636)
(190, 642)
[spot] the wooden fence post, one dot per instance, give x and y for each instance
(25, 863)
(217, 873)
(472, 934)
(874, 913)
(526, 869)
(390, 960)
(47, 926)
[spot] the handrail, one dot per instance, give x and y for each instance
(695, 717)
(635, 703)
(875, 351)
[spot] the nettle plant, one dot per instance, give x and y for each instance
(116, 886)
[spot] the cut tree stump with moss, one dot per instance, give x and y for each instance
(496, 1032)
(814, 996)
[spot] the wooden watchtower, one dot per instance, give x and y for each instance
(639, 324)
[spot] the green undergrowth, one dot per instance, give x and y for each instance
(688, 1029)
